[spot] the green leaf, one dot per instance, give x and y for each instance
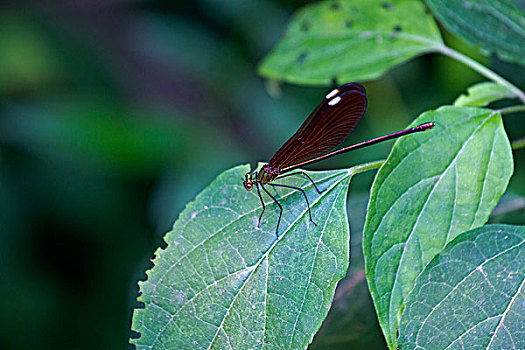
(432, 187)
(482, 94)
(494, 25)
(222, 283)
(350, 40)
(470, 296)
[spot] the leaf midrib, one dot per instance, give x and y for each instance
(390, 305)
(411, 234)
(229, 275)
(312, 268)
(231, 223)
(266, 254)
(355, 35)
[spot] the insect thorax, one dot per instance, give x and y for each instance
(267, 174)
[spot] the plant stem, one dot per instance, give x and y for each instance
(365, 167)
(509, 206)
(512, 109)
(519, 143)
(481, 69)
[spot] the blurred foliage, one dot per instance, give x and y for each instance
(114, 114)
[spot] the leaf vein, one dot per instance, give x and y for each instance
(504, 314)
(411, 234)
(267, 253)
(223, 228)
(311, 269)
(464, 280)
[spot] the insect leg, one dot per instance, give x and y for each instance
(262, 202)
(280, 207)
(305, 197)
(305, 174)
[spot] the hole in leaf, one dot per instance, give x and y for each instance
(302, 57)
(397, 29)
(135, 335)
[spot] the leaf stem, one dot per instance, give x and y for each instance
(361, 168)
(512, 109)
(481, 69)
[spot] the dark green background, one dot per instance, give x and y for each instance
(114, 114)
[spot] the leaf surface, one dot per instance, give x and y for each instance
(222, 283)
(482, 94)
(493, 25)
(471, 295)
(432, 187)
(350, 41)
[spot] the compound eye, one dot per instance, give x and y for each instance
(248, 185)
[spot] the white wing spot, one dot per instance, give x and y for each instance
(335, 101)
(332, 93)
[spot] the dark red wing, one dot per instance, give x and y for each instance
(326, 127)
